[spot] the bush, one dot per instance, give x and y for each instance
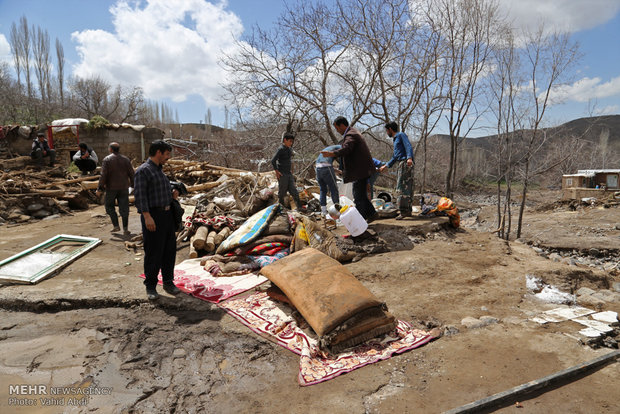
(97, 122)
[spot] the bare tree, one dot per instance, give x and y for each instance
(16, 50)
(467, 33)
(24, 43)
(60, 62)
(95, 96)
(10, 96)
(288, 73)
(42, 62)
(548, 57)
(506, 82)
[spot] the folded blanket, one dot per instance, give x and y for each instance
(250, 230)
(264, 260)
(274, 238)
(340, 310)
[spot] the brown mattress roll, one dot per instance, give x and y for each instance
(326, 294)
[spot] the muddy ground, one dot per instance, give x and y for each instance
(92, 325)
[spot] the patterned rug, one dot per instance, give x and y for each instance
(273, 321)
(192, 279)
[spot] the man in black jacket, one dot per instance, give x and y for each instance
(281, 163)
(357, 165)
(41, 149)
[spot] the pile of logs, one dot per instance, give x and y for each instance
(206, 241)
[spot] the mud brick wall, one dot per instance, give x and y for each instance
(579, 193)
(129, 140)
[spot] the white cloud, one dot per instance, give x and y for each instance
(564, 15)
(608, 110)
(5, 49)
(586, 90)
(170, 48)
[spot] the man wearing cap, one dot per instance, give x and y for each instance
(41, 149)
(116, 178)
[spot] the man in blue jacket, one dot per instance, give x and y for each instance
(403, 154)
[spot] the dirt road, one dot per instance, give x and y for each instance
(91, 326)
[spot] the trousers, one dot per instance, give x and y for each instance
(327, 181)
(361, 200)
(160, 248)
(122, 197)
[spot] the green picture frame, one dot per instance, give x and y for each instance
(45, 259)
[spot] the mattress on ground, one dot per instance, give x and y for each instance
(340, 310)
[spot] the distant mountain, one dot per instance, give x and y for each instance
(593, 143)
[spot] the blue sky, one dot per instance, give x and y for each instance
(144, 43)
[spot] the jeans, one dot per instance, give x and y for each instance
(361, 200)
(286, 183)
(160, 248)
(371, 183)
(327, 180)
(122, 196)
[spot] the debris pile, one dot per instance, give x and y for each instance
(29, 193)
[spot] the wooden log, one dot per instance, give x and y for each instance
(43, 193)
(200, 237)
(90, 185)
(210, 243)
(17, 162)
(222, 235)
(202, 187)
(50, 193)
(509, 397)
(192, 250)
(73, 181)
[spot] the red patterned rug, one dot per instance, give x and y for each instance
(273, 321)
(192, 279)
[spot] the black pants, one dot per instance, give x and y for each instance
(85, 165)
(160, 248)
(360, 198)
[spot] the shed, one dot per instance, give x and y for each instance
(590, 183)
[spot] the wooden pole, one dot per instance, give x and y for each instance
(73, 181)
(509, 396)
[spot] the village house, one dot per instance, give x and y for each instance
(590, 183)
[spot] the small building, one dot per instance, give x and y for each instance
(590, 183)
(65, 134)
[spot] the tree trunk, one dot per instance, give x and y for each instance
(524, 194)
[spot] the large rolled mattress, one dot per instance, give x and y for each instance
(340, 310)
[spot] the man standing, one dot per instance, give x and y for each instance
(281, 163)
(85, 159)
(116, 178)
(41, 149)
(153, 194)
(403, 154)
(357, 165)
(326, 176)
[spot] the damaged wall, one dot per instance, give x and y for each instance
(19, 140)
